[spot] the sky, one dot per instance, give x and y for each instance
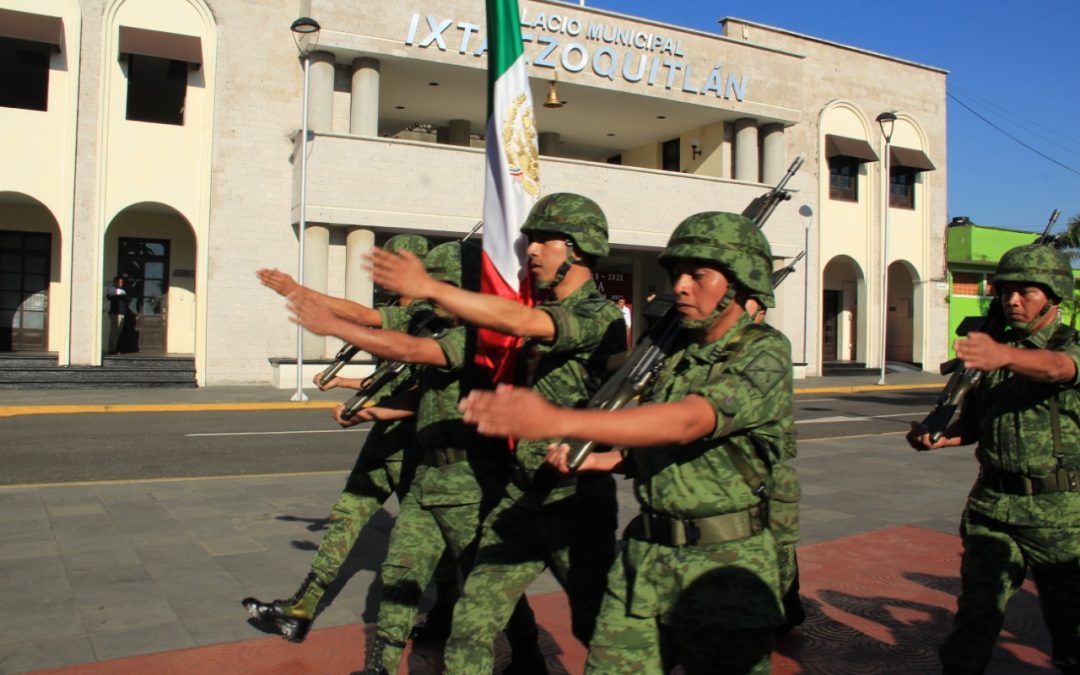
(1011, 62)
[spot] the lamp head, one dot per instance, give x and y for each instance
(887, 120)
(305, 25)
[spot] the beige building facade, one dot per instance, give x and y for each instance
(163, 144)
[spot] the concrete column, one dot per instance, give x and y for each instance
(316, 271)
(746, 150)
(774, 153)
(364, 104)
(459, 132)
(358, 286)
(321, 92)
(549, 143)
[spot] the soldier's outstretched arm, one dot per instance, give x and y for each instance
(523, 413)
(981, 352)
(284, 285)
(313, 314)
(404, 273)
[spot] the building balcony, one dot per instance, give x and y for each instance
(409, 185)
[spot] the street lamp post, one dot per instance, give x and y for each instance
(886, 120)
(808, 218)
(303, 27)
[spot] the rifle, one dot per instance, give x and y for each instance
(647, 358)
(387, 371)
(784, 272)
(347, 351)
(962, 380)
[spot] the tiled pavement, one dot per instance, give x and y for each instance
(94, 573)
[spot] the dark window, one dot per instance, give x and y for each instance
(615, 159)
(844, 178)
(24, 74)
(669, 156)
(156, 89)
(902, 187)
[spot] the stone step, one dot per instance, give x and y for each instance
(18, 361)
(19, 371)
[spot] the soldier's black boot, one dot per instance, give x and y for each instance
(794, 612)
(373, 660)
(291, 617)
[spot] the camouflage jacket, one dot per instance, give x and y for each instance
(588, 330)
(1010, 416)
(405, 319)
(746, 376)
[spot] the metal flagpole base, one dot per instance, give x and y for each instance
(299, 396)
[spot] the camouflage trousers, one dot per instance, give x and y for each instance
(996, 556)
(373, 479)
(711, 608)
(570, 531)
(442, 510)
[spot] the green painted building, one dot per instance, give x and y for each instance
(972, 254)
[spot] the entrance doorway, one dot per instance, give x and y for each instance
(830, 326)
(24, 295)
(145, 264)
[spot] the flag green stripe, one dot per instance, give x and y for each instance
(504, 41)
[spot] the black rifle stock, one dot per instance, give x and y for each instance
(963, 380)
(784, 272)
(647, 358)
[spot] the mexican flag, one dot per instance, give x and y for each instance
(512, 178)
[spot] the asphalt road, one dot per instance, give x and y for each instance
(37, 449)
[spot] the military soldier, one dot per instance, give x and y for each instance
(697, 580)
(566, 524)
(460, 478)
(1024, 511)
(384, 466)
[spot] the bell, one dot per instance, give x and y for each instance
(553, 97)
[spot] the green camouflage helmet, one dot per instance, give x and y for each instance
(1037, 264)
(730, 241)
(413, 243)
(443, 263)
(578, 217)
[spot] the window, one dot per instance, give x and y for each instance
(615, 159)
(966, 283)
(844, 178)
(24, 74)
(988, 289)
(669, 156)
(157, 88)
(902, 187)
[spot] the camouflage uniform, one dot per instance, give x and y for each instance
(385, 465)
(1024, 511)
(567, 524)
(697, 583)
(460, 478)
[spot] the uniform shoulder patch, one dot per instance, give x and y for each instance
(766, 371)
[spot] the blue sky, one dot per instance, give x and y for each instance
(1013, 62)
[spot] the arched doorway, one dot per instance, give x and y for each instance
(902, 311)
(843, 328)
(153, 248)
(29, 274)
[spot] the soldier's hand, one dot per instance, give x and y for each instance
(401, 273)
(332, 383)
(919, 438)
(361, 416)
(508, 411)
(277, 281)
(981, 352)
(557, 456)
(311, 312)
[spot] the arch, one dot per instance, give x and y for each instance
(114, 159)
(904, 306)
(155, 246)
(33, 299)
(843, 326)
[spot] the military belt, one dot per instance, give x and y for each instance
(1062, 480)
(661, 529)
(444, 456)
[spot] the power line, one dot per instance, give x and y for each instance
(1006, 133)
(1005, 112)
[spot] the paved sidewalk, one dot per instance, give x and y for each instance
(265, 397)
